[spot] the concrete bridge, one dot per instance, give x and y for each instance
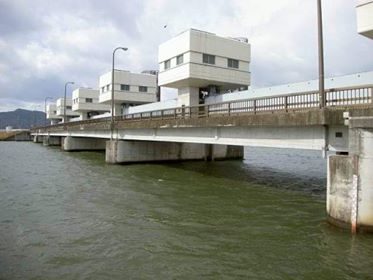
(219, 131)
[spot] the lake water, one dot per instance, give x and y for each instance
(71, 216)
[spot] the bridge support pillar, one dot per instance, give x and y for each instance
(118, 151)
(82, 144)
(350, 182)
(52, 141)
(38, 139)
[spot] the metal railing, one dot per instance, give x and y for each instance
(340, 97)
(291, 102)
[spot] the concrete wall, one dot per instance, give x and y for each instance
(52, 141)
(147, 151)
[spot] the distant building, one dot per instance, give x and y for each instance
(198, 63)
(129, 89)
(85, 103)
(60, 112)
(364, 16)
(52, 114)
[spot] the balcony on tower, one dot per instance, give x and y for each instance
(364, 16)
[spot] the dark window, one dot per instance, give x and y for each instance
(208, 58)
(89, 100)
(143, 89)
(54, 112)
(102, 89)
(338, 134)
(125, 87)
(167, 64)
(68, 107)
(107, 87)
(179, 59)
(233, 63)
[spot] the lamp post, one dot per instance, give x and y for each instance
(45, 109)
(64, 101)
(112, 91)
(321, 56)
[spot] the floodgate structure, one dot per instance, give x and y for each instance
(192, 127)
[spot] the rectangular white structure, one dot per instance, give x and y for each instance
(52, 114)
(195, 60)
(60, 109)
(85, 102)
(364, 16)
(129, 88)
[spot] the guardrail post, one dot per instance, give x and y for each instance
(286, 104)
(371, 95)
(183, 111)
(208, 110)
(229, 109)
(254, 108)
(161, 114)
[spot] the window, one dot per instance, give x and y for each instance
(167, 64)
(179, 59)
(68, 107)
(233, 63)
(125, 87)
(208, 58)
(102, 89)
(143, 89)
(88, 100)
(54, 112)
(107, 87)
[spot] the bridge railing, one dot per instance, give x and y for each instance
(289, 102)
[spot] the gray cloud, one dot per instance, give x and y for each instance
(45, 43)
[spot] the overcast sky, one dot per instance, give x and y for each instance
(44, 43)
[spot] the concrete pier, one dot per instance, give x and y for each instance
(350, 180)
(52, 141)
(147, 151)
(82, 144)
(38, 139)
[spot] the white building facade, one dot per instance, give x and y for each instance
(86, 103)
(197, 62)
(60, 112)
(129, 89)
(364, 16)
(52, 114)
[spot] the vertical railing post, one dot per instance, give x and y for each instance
(183, 111)
(229, 109)
(286, 103)
(254, 104)
(161, 114)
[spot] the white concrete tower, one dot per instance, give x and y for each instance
(52, 114)
(364, 16)
(197, 61)
(69, 112)
(85, 102)
(129, 89)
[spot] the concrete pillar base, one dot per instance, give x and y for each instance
(350, 184)
(82, 144)
(147, 151)
(52, 141)
(38, 139)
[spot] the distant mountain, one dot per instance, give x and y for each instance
(21, 119)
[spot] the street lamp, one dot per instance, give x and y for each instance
(112, 91)
(45, 109)
(321, 56)
(64, 102)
